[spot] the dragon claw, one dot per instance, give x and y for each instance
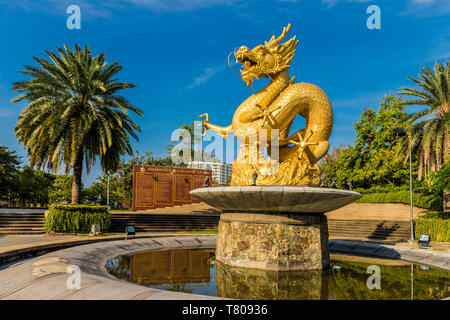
(302, 144)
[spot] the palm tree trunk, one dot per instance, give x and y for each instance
(76, 181)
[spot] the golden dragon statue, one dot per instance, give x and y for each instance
(275, 107)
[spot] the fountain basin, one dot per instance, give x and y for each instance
(275, 199)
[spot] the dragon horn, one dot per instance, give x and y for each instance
(273, 42)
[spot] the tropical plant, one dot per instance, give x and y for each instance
(9, 167)
(430, 137)
(77, 218)
(74, 113)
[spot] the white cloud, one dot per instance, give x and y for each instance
(364, 100)
(207, 74)
(4, 113)
(180, 5)
(427, 8)
(332, 3)
(103, 8)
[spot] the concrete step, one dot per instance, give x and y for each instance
(31, 232)
(369, 229)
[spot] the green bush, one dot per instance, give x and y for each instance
(382, 189)
(419, 200)
(77, 218)
(437, 225)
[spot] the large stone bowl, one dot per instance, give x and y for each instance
(277, 228)
(275, 199)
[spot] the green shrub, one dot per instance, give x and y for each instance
(77, 218)
(437, 228)
(436, 215)
(419, 200)
(382, 189)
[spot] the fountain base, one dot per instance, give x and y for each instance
(278, 242)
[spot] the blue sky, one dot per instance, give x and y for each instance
(175, 51)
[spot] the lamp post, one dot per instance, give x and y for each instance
(107, 190)
(402, 133)
(107, 195)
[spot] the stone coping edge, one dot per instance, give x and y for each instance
(440, 260)
(34, 250)
(45, 277)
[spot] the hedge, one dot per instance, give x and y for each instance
(77, 218)
(436, 224)
(419, 200)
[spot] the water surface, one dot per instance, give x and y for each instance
(196, 271)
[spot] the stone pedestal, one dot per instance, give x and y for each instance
(273, 241)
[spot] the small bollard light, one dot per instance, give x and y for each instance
(424, 241)
(129, 231)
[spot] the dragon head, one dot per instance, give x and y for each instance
(266, 60)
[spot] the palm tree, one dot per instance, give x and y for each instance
(74, 113)
(430, 137)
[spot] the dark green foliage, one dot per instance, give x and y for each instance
(430, 202)
(373, 159)
(437, 225)
(61, 190)
(33, 186)
(9, 167)
(77, 218)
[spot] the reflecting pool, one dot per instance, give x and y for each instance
(351, 277)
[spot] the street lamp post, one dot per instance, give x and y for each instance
(402, 133)
(410, 190)
(107, 190)
(107, 194)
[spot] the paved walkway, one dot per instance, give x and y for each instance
(18, 240)
(10, 210)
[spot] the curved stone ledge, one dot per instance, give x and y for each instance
(45, 277)
(434, 259)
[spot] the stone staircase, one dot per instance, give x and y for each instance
(22, 223)
(203, 218)
(145, 222)
(376, 230)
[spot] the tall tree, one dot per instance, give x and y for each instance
(9, 166)
(372, 160)
(430, 137)
(74, 113)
